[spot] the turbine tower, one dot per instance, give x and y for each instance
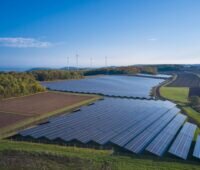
(106, 61)
(77, 56)
(68, 63)
(91, 62)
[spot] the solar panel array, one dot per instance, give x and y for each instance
(161, 76)
(119, 86)
(183, 141)
(162, 141)
(135, 125)
(139, 143)
(196, 152)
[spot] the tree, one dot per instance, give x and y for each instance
(195, 100)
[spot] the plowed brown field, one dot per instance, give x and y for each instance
(17, 109)
(7, 119)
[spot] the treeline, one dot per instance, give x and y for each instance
(49, 75)
(18, 84)
(169, 67)
(195, 102)
(148, 70)
(129, 70)
(14, 84)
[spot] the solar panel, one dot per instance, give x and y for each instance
(160, 144)
(130, 124)
(196, 152)
(139, 143)
(109, 85)
(124, 137)
(183, 141)
(164, 76)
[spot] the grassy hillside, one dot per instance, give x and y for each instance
(193, 114)
(22, 155)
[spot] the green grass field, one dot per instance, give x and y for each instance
(178, 94)
(193, 114)
(24, 155)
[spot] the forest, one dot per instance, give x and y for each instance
(18, 84)
(14, 84)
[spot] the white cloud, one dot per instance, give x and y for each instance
(20, 42)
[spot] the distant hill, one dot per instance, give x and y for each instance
(9, 69)
(40, 68)
(69, 68)
(50, 68)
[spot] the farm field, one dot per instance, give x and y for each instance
(16, 112)
(14, 154)
(40, 103)
(7, 119)
(116, 86)
(130, 124)
(186, 80)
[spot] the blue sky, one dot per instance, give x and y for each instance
(35, 33)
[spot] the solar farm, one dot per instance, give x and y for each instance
(158, 76)
(114, 86)
(133, 125)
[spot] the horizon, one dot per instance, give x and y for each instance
(128, 32)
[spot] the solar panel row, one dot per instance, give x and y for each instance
(109, 85)
(164, 76)
(137, 128)
(162, 141)
(196, 152)
(139, 143)
(183, 141)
